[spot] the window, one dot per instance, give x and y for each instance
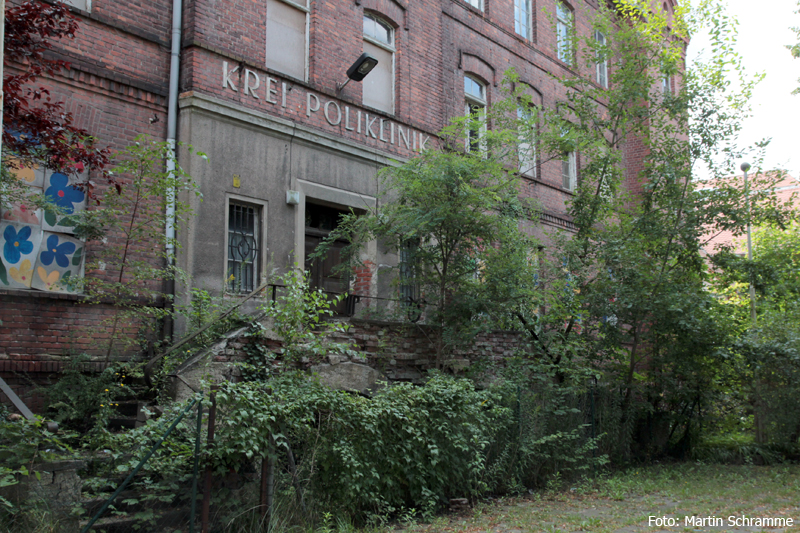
(527, 143)
(475, 109)
(569, 173)
(602, 63)
(477, 4)
(85, 5)
(409, 288)
(244, 229)
(287, 43)
(39, 248)
(564, 32)
(378, 86)
(666, 84)
(522, 18)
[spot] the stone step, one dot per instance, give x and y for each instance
(152, 522)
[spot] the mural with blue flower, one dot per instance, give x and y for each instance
(20, 244)
(37, 251)
(57, 251)
(60, 259)
(62, 194)
(17, 243)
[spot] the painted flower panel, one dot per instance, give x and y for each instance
(56, 265)
(22, 276)
(62, 193)
(29, 175)
(19, 246)
(24, 211)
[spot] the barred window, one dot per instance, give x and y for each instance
(244, 228)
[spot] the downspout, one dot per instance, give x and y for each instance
(172, 126)
(2, 60)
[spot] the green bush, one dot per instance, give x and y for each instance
(407, 447)
(546, 431)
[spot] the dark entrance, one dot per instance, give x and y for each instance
(320, 221)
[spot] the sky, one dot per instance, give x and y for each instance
(764, 30)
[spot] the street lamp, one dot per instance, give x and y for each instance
(359, 70)
(745, 167)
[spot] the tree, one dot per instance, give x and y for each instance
(133, 281)
(795, 48)
(453, 217)
(624, 294)
(767, 355)
(630, 282)
(36, 130)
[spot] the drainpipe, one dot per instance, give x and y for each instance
(172, 126)
(2, 57)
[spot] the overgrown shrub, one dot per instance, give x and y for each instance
(546, 432)
(84, 401)
(23, 443)
(407, 447)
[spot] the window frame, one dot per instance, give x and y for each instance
(569, 179)
(477, 4)
(471, 103)
(260, 239)
(666, 84)
(525, 6)
(524, 113)
(564, 28)
(87, 5)
(408, 287)
(389, 47)
(306, 37)
(601, 65)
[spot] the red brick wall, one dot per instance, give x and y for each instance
(117, 88)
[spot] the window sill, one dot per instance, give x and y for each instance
(31, 293)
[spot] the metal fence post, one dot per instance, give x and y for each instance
(105, 506)
(212, 417)
(196, 465)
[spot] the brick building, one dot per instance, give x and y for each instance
(783, 189)
(259, 92)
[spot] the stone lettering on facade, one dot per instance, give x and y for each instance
(251, 88)
(368, 126)
(270, 91)
(226, 76)
(328, 105)
(373, 126)
(309, 108)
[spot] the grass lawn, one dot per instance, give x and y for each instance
(626, 501)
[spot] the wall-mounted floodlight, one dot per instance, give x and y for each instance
(359, 70)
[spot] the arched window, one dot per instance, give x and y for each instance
(564, 27)
(378, 86)
(475, 108)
